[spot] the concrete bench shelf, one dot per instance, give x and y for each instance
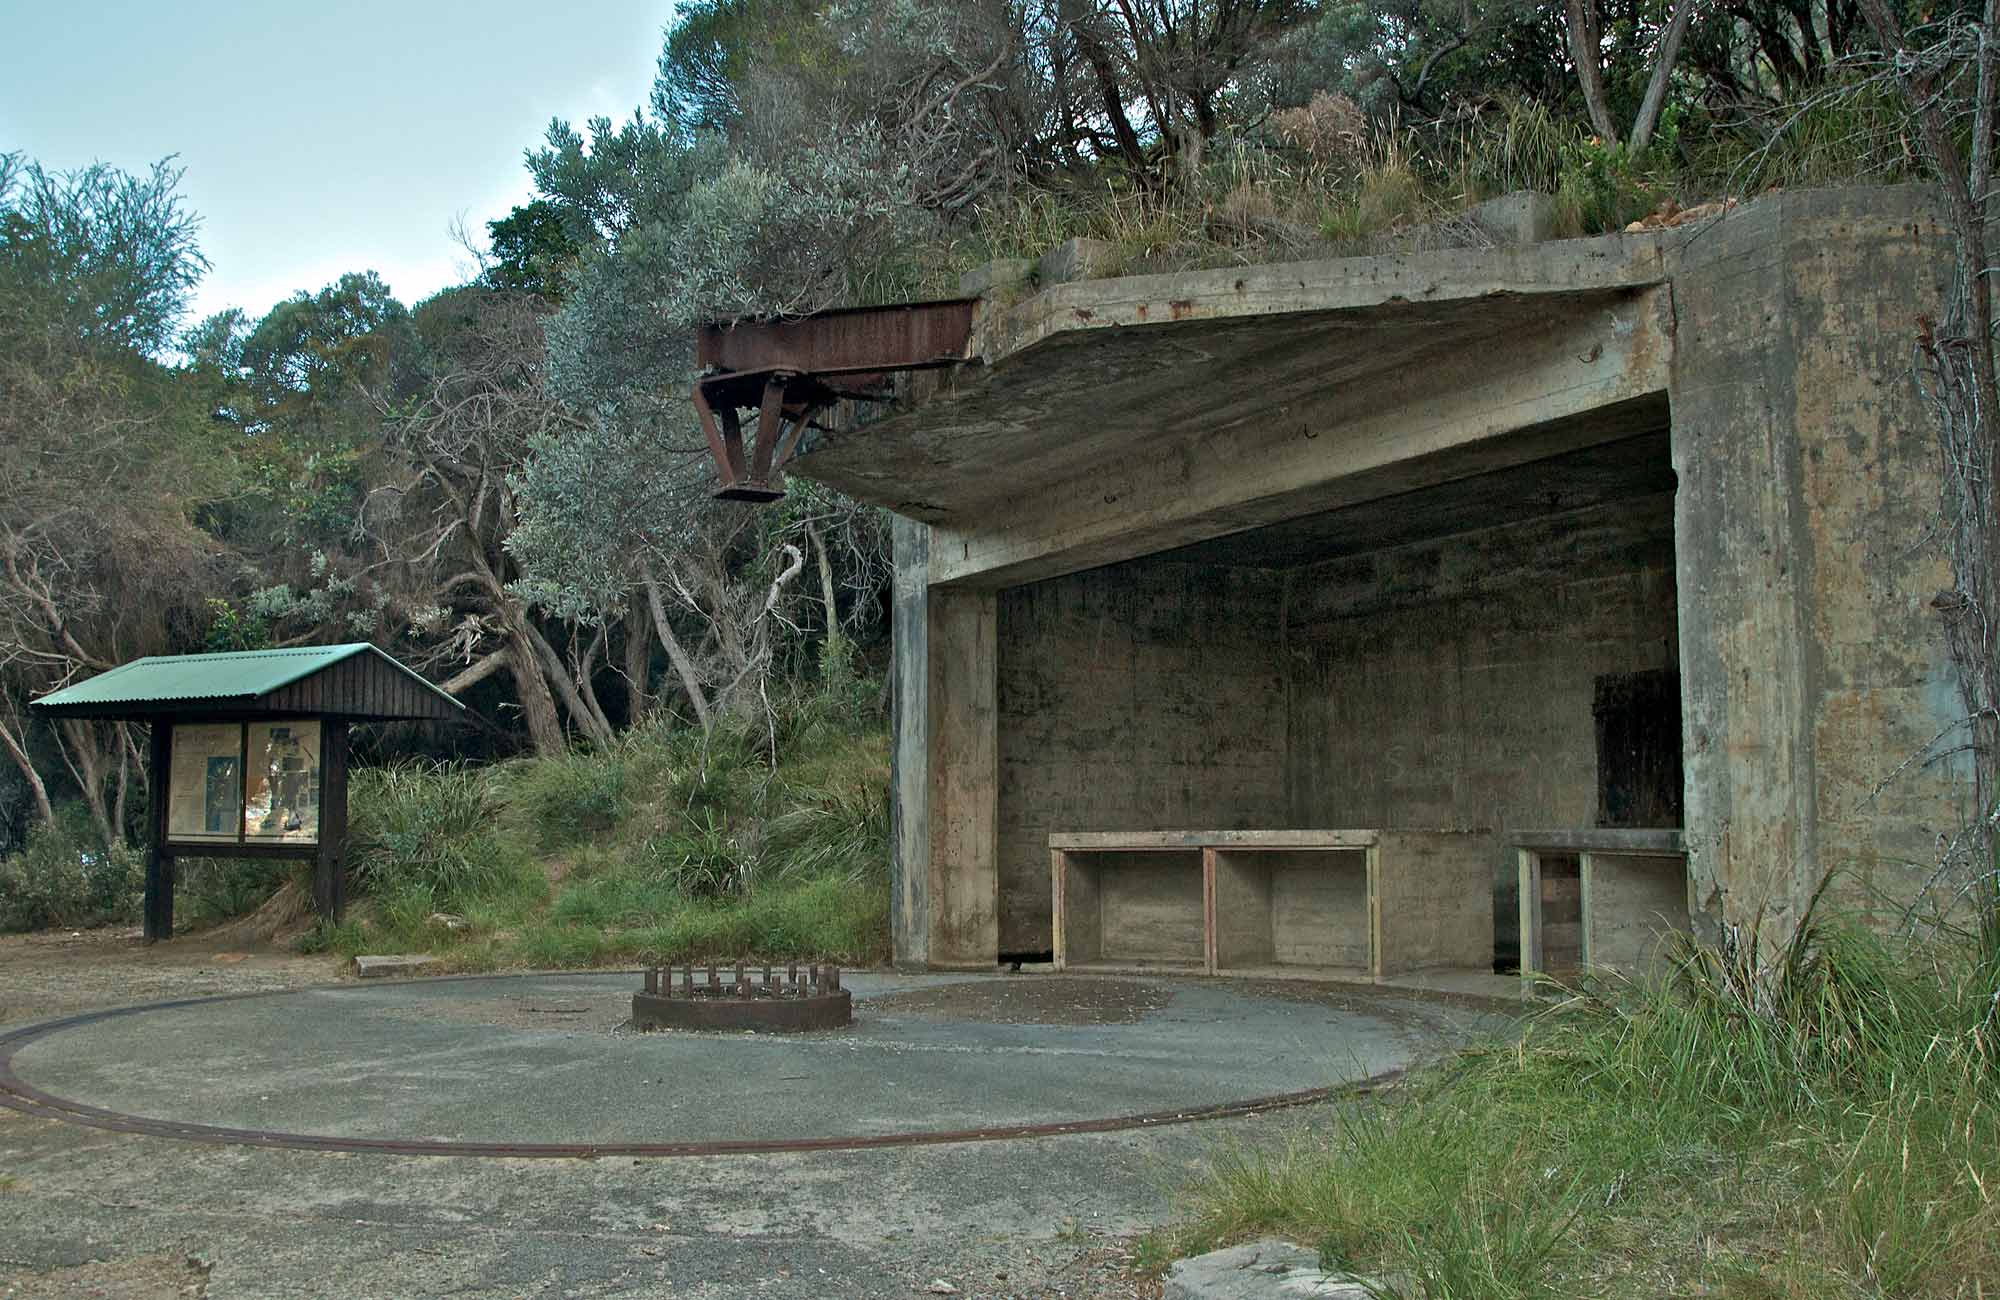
(1356, 904)
(1600, 899)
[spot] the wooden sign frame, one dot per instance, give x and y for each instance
(328, 855)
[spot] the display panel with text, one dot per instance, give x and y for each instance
(205, 784)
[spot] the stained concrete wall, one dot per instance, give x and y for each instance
(1815, 675)
(1449, 684)
(1144, 696)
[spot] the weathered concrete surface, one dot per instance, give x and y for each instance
(1145, 697)
(535, 1059)
(1027, 1219)
(393, 964)
(1076, 259)
(1134, 359)
(997, 277)
(1265, 1269)
(910, 746)
(1310, 422)
(1523, 217)
(964, 893)
(1351, 414)
(1812, 669)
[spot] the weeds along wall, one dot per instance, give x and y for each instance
(1444, 684)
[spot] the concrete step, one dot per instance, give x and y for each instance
(1267, 1269)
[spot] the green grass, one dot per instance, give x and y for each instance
(1827, 1130)
(666, 845)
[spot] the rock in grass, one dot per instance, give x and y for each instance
(388, 964)
(1259, 1270)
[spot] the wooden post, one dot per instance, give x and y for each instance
(159, 906)
(1529, 901)
(330, 864)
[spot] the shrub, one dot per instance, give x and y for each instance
(571, 798)
(701, 859)
(1601, 189)
(424, 824)
(210, 890)
(64, 876)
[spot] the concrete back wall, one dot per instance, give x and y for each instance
(1440, 685)
(1449, 684)
(1147, 695)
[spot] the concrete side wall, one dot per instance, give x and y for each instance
(1143, 696)
(1813, 669)
(1450, 684)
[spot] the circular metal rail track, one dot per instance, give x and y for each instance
(16, 1094)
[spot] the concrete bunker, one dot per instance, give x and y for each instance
(1218, 592)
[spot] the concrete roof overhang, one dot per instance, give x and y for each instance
(1105, 420)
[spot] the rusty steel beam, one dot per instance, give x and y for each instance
(791, 371)
(862, 340)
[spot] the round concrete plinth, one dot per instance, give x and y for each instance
(547, 1065)
(757, 1015)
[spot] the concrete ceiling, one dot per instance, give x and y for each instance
(1084, 401)
(1598, 475)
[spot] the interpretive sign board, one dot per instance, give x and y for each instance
(248, 752)
(243, 783)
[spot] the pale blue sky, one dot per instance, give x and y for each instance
(320, 139)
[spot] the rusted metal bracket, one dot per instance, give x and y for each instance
(786, 404)
(784, 370)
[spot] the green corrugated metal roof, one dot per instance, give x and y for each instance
(232, 675)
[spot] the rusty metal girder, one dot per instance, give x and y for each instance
(791, 371)
(909, 336)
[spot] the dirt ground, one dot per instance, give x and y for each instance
(60, 972)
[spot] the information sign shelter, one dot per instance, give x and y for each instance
(249, 752)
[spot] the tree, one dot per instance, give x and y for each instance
(106, 459)
(441, 504)
(1586, 47)
(531, 250)
(105, 259)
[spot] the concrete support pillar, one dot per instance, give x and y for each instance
(909, 748)
(965, 779)
(944, 900)
(1812, 669)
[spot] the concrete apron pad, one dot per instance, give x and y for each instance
(544, 1065)
(1267, 1269)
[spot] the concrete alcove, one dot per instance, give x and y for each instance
(1432, 660)
(1605, 548)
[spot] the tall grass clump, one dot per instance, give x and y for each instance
(766, 837)
(1818, 1120)
(573, 796)
(429, 857)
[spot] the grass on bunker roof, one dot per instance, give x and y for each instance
(1830, 1131)
(665, 845)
